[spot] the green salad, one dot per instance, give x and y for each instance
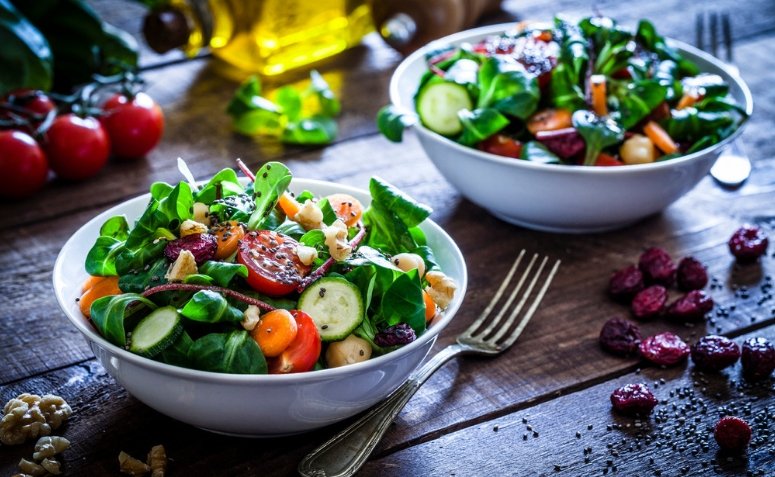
(583, 93)
(252, 279)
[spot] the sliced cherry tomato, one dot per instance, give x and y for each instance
(502, 145)
(303, 352)
(77, 147)
(22, 163)
(134, 125)
(274, 267)
(607, 160)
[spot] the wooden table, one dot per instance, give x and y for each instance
(540, 409)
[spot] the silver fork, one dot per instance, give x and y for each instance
(346, 452)
(733, 166)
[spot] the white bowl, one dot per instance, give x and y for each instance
(252, 405)
(561, 198)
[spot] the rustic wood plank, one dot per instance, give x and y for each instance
(554, 438)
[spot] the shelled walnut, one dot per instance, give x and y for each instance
(28, 416)
(156, 463)
(130, 465)
(49, 446)
(157, 460)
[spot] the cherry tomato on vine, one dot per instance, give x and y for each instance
(32, 100)
(303, 352)
(77, 147)
(134, 125)
(22, 163)
(273, 266)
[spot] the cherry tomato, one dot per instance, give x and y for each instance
(22, 163)
(77, 147)
(274, 267)
(502, 146)
(607, 160)
(134, 125)
(32, 100)
(303, 352)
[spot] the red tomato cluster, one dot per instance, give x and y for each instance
(74, 147)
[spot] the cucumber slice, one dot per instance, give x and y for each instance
(156, 332)
(438, 104)
(335, 305)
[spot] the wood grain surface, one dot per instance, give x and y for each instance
(556, 377)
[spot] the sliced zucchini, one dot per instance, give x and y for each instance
(438, 104)
(156, 332)
(335, 305)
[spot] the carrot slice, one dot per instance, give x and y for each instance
(289, 205)
(347, 208)
(549, 120)
(90, 282)
(275, 332)
(106, 286)
(228, 236)
(430, 306)
(597, 84)
(686, 101)
(660, 138)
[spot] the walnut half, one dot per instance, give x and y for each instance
(29, 416)
(130, 465)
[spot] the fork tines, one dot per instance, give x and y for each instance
(715, 21)
(502, 330)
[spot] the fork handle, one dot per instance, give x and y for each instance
(346, 452)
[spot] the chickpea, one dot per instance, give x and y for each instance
(202, 213)
(638, 150)
(348, 351)
(409, 261)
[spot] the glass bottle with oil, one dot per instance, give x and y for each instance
(268, 37)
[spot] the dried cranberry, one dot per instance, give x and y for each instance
(633, 400)
(692, 274)
(690, 307)
(664, 349)
(732, 433)
(657, 267)
(395, 335)
(620, 337)
(714, 353)
(202, 246)
(649, 303)
(566, 143)
(748, 243)
(625, 283)
(758, 358)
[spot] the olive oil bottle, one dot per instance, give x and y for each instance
(268, 37)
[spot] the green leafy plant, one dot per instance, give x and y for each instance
(59, 45)
(295, 116)
(598, 133)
